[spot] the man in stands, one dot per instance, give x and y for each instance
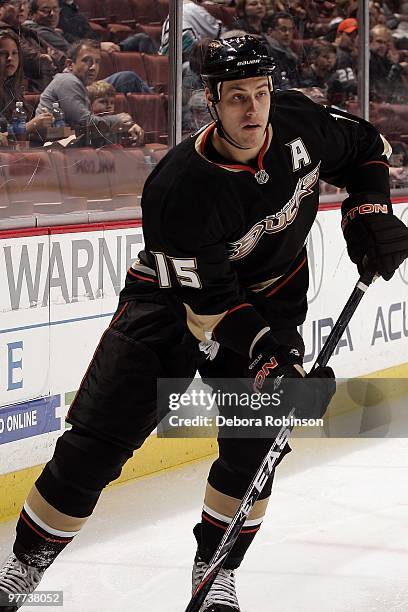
(346, 45)
(197, 23)
(69, 90)
(44, 17)
(387, 82)
(343, 84)
(279, 36)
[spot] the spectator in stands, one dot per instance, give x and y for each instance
(44, 17)
(279, 36)
(342, 86)
(8, 11)
(304, 17)
(73, 23)
(102, 98)
(44, 20)
(69, 89)
(11, 88)
(127, 81)
(387, 83)
(23, 10)
(322, 58)
(75, 26)
(346, 44)
(376, 14)
(197, 23)
(250, 16)
(342, 10)
(40, 61)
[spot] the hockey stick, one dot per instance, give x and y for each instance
(255, 488)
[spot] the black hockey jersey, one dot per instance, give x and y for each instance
(224, 238)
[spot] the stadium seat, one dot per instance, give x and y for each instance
(100, 30)
(120, 11)
(119, 31)
(157, 71)
(127, 60)
(145, 11)
(107, 67)
(228, 15)
(121, 104)
(92, 8)
(162, 9)
(152, 30)
(150, 112)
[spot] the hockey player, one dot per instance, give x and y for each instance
(226, 215)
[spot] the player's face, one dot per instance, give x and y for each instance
(244, 110)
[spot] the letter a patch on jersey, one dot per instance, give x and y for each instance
(300, 155)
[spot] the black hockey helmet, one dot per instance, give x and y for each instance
(242, 57)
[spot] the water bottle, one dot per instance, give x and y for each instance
(18, 122)
(58, 115)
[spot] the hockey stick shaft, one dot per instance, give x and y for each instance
(270, 460)
(336, 333)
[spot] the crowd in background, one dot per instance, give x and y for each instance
(315, 47)
(53, 51)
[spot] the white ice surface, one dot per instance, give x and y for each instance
(335, 538)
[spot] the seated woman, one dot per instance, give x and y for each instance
(250, 16)
(11, 87)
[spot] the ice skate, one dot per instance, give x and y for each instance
(17, 577)
(222, 596)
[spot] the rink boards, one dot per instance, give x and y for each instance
(59, 290)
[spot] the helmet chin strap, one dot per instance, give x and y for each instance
(222, 133)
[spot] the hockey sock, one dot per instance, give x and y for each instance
(37, 543)
(209, 532)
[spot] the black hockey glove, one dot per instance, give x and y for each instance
(273, 364)
(377, 240)
(320, 386)
(271, 360)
